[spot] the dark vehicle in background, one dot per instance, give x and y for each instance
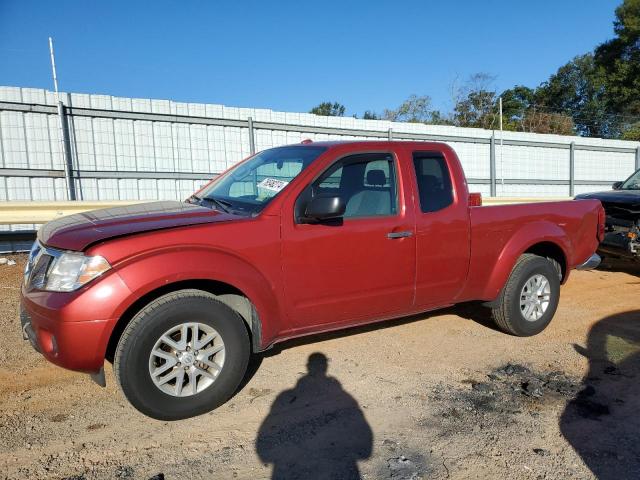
(622, 207)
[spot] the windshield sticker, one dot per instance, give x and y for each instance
(272, 184)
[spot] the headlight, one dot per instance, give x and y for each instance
(58, 271)
(70, 271)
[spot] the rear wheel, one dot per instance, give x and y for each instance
(182, 355)
(530, 297)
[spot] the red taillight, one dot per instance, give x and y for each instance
(601, 223)
(475, 199)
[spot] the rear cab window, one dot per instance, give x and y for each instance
(435, 188)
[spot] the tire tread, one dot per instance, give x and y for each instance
(500, 311)
(146, 313)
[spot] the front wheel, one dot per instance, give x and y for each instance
(182, 355)
(530, 297)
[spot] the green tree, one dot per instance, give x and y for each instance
(619, 59)
(537, 121)
(477, 110)
(437, 118)
(516, 102)
(369, 115)
(475, 102)
(579, 89)
(601, 90)
(632, 132)
(414, 109)
(520, 112)
(328, 109)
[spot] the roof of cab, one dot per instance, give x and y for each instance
(335, 143)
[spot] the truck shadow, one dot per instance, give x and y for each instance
(474, 311)
(610, 264)
(602, 423)
(315, 430)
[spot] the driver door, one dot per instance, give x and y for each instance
(360, 267)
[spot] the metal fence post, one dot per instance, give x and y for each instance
(252, 140)
(2, 157)
(64, 128)
(66, 151)
(492, 166)
(572, 169)
(638, 158)
(390, 134)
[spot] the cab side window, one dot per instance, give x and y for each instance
(434, 181)
(366, 183)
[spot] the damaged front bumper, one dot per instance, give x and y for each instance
(622, 239)
(28, 333)
(70, 345)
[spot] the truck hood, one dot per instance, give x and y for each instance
(630, 197)
(77, 232)
(621, 204)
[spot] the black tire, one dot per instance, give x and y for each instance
(131, 363)
(507, 312)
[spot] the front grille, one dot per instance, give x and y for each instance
(39, 272)
(39, 262)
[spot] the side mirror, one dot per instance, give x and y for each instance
(617, 185)
(324, 208)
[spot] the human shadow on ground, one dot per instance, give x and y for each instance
(315, 430)
(602, 423)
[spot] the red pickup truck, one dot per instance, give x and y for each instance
(292, 241)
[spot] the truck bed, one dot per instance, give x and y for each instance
(498, 231)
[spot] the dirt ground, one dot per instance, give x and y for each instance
(437, 396)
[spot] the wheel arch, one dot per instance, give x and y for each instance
(553, 251)
(226, 293)
(540, 238)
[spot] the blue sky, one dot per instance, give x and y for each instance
(368, 55)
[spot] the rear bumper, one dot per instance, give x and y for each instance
(592, 262)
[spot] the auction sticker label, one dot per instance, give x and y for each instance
(272, 184)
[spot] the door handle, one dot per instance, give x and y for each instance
(404, 234)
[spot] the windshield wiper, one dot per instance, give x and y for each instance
(193, 199)
(221, 204)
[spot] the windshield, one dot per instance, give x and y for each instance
(252, 184)
(632, 183)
